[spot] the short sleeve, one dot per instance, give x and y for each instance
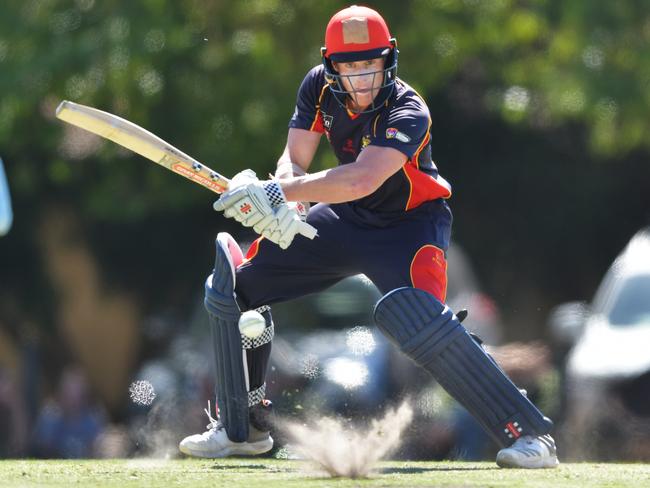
(405, 128)
(306, 114)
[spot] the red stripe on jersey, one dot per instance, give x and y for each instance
(317, 124)
(429, 271)
(424, 187)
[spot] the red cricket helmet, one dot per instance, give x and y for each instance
(357, 33)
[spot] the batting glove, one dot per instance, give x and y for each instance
(249, 200)
(283, 227)
(263, 206)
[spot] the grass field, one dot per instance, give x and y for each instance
(269, 473)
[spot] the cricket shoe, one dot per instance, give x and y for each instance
(214, 442)
(529, 452)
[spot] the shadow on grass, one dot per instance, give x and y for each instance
(417, 469)
(226, 467)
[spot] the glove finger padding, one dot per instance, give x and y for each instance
(264, 223)
(287, 225)
(254, 218)
(288, 236)
(285, 215)
(279, 228)
(244, 212)
(229, 198)
(242, 178)
(246, 204)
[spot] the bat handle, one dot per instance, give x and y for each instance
(309, 231)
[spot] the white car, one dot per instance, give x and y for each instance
(608, 367)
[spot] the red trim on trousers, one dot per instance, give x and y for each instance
(429, 271)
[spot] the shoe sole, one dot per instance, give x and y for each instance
(546, 463)
(244, 449)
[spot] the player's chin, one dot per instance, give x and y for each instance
(364, 97)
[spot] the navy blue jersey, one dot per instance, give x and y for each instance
(403, 123)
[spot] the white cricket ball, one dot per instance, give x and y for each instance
(252, 324)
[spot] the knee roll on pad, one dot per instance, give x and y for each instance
(429, 333)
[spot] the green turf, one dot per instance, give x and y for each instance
(267, 473)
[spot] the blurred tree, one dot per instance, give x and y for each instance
(218, 79)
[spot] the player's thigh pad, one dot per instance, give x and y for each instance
(429, 333)
(229, 356)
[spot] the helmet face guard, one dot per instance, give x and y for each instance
(384, 90)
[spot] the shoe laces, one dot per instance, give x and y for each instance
(214, 424)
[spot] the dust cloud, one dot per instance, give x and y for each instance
(348, 451)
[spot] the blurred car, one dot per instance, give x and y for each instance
(608, 367)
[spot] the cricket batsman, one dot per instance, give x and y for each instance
(382, 212)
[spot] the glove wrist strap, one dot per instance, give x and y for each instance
(274, 193)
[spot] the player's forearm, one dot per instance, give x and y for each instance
(336, 185)
(287, 169)
(298, 153)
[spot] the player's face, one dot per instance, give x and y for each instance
(362, 80)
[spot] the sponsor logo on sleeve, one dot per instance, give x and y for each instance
(327, 121)
(392, 133)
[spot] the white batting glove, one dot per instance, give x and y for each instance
(301, 208)
(283, 227)
(242, 178)
(249, 200)
(263, 206)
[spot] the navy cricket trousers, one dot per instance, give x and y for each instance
(407, 249)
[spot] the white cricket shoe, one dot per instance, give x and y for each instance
(529, 452)
(214, 443)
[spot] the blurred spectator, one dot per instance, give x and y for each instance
(113, 442)
(69, 425)
(13, 425)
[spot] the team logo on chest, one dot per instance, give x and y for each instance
(348, 147)
(365, 140)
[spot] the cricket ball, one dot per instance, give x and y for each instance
(252, 324)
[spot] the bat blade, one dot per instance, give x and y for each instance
(142, 142)
(152, 147)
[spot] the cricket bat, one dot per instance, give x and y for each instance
(149, 145)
